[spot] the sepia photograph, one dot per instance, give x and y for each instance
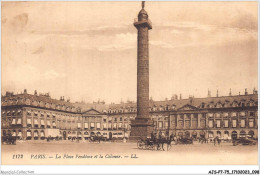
(129, 83)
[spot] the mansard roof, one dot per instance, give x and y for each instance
(196, 102)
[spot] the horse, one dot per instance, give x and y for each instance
(9, 140)
(216, 139)
(161, 141)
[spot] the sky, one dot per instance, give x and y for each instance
(88, 50)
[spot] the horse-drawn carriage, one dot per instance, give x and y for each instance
(9, 140)
(152, 144)
(243, 141)
(185, 140)
(97, 138)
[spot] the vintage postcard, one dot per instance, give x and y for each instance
(129, 83)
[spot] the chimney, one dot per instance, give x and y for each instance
(180, 97)
(217, 94)
(239, 93)
(35, 92)
(254, 91)
(60, 98)
(209, 94)
(191, 99)
(25, 91)
(230, 94)
(246, 93)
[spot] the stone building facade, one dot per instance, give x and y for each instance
(35, 117)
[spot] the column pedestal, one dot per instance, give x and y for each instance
(141, 128)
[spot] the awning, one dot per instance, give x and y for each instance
(3, 112)
(85, 125)
(29, 112)
(13, 121)
(29, 121)
(35, 112)
(8, 112)
(42, 122)
(35, 121)
(86, 133)
(18, 111)
(29, 134)
(14, 134)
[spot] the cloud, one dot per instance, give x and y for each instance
(91, 31)
(52, 74)
(161, 44)
(186, 34)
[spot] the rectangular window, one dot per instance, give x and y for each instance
(36, 123)
(109, 126)
(243, 123)
(121, 119)
(13, 121)
(120, 125)
(225, 114)
(19, 121)
(202, 123)
(85, 125)
(234, 123)
(251, 123)
(242, 113)
(187, 123)
(218, 123)
(98, 125)
(211, 123)
(29, 122)
(166, 125)
(114, 125)
(251, 114)
(104, 126)
(48, 124)
(234, 114)
(195, 123)
(160, 125)
(226, 123)
(92, 125)
(180, 123)
(53, 124)
(79, 125)
(155, 124)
